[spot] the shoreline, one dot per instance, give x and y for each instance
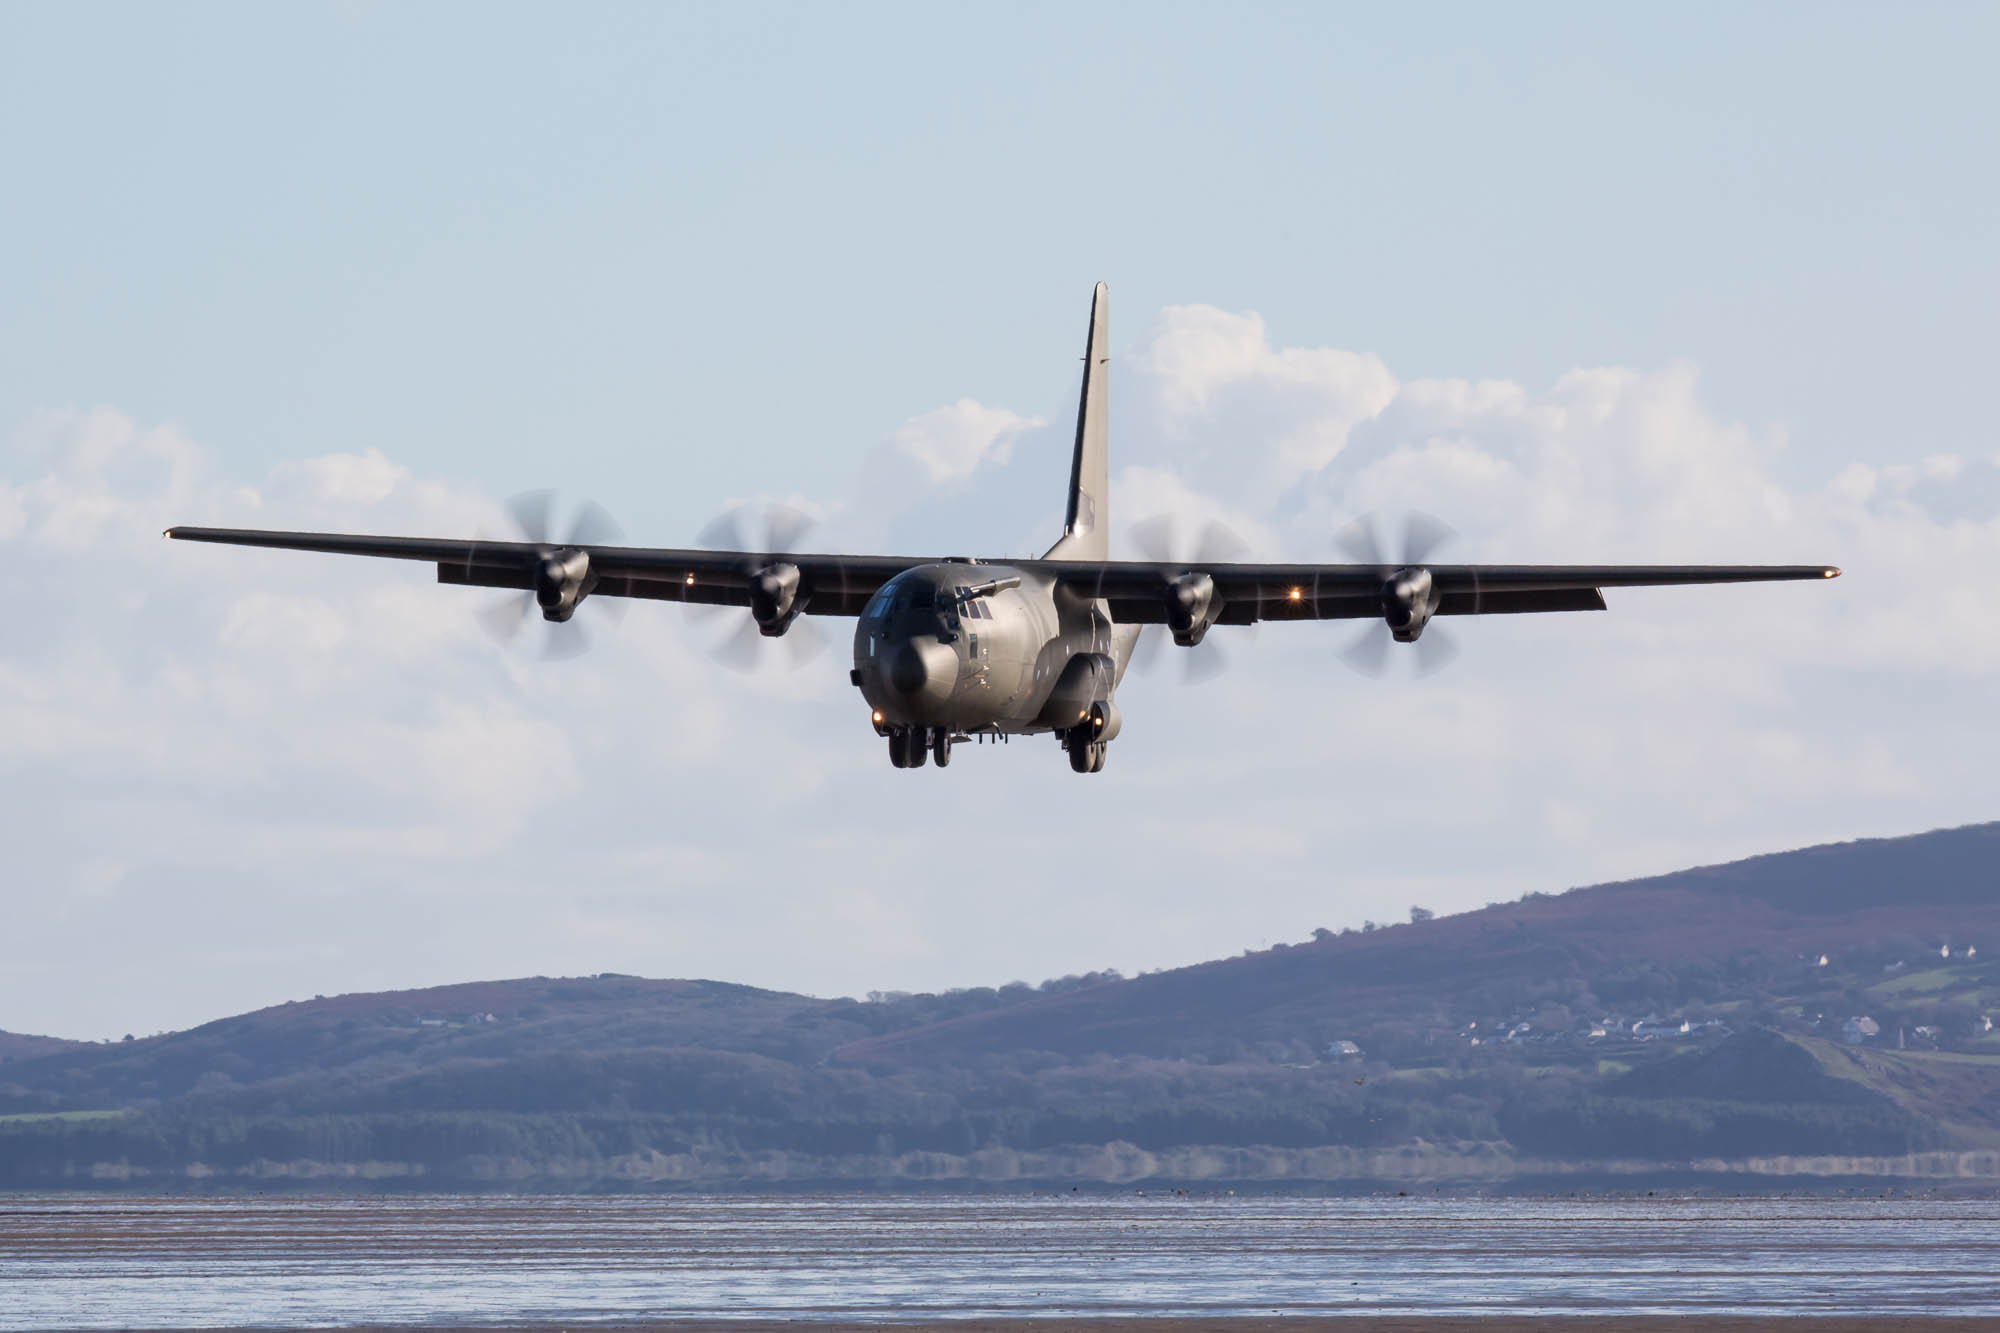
(1235, 1323)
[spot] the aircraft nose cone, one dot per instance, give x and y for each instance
(907, 671)
(920, 671)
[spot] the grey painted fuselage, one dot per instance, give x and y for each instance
(1016, 660)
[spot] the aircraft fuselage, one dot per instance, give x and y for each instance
(998, 649)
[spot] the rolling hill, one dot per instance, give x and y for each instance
(1824, 1013)
(1647, 945)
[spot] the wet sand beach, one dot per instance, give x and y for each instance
(747, 1263)
(1342, 1324)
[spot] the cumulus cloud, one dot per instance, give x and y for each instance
(1220, 392)
(951, 442)
(214, 754)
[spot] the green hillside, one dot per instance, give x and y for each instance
(1809, 1016)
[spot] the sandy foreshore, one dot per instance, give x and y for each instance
(1357, 1323)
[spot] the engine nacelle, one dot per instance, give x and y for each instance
(560, 583)
(1409, 600)
(774, 597)
(1191, 608)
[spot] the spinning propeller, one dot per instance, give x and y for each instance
(1165, 540)
(533, 513)
(1406, 595)
(774, 631)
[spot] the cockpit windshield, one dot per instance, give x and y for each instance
(914, 607)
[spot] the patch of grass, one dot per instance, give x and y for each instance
(1922, 983)
(1952, 1057)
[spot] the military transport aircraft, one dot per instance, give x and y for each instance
(950, 649)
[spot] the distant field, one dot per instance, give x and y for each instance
(60, 1115)
(1918, 983)
(1951, 1058)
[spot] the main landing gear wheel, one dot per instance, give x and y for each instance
(1087, 756)
(941, 746)
(909, 747)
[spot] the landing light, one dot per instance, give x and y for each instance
(690, 578)
(1830, 573)
(877, 716)
(1296, 594)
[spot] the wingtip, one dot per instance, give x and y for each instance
(1831, 572)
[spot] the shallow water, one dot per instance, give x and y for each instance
(94, 1262)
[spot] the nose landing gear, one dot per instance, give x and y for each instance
(910, 747)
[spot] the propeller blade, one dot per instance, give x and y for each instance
(502, 620)
(1203, 662)
(742, 650)
(1369, 654)
(1358, 540)
(785, 527)
(1219, 545)
(1155, 539)
(704, 615)
(594, 526)
(531, 510)
(805, 641)
(565, 642)
(1436, 650)
(1161, 541)
(724, 532)
(1423, 534)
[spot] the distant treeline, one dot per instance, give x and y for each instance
(589, 1118)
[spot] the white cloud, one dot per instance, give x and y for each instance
(953, 441)
(1214, 377)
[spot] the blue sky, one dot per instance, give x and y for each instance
(377, 265)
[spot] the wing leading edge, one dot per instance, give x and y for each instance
(1249, 593)
(837, 585)
(840, 585)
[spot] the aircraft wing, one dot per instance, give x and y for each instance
(838, 585)
(1137, 592)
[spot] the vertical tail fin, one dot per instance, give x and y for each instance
(1086, 529)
